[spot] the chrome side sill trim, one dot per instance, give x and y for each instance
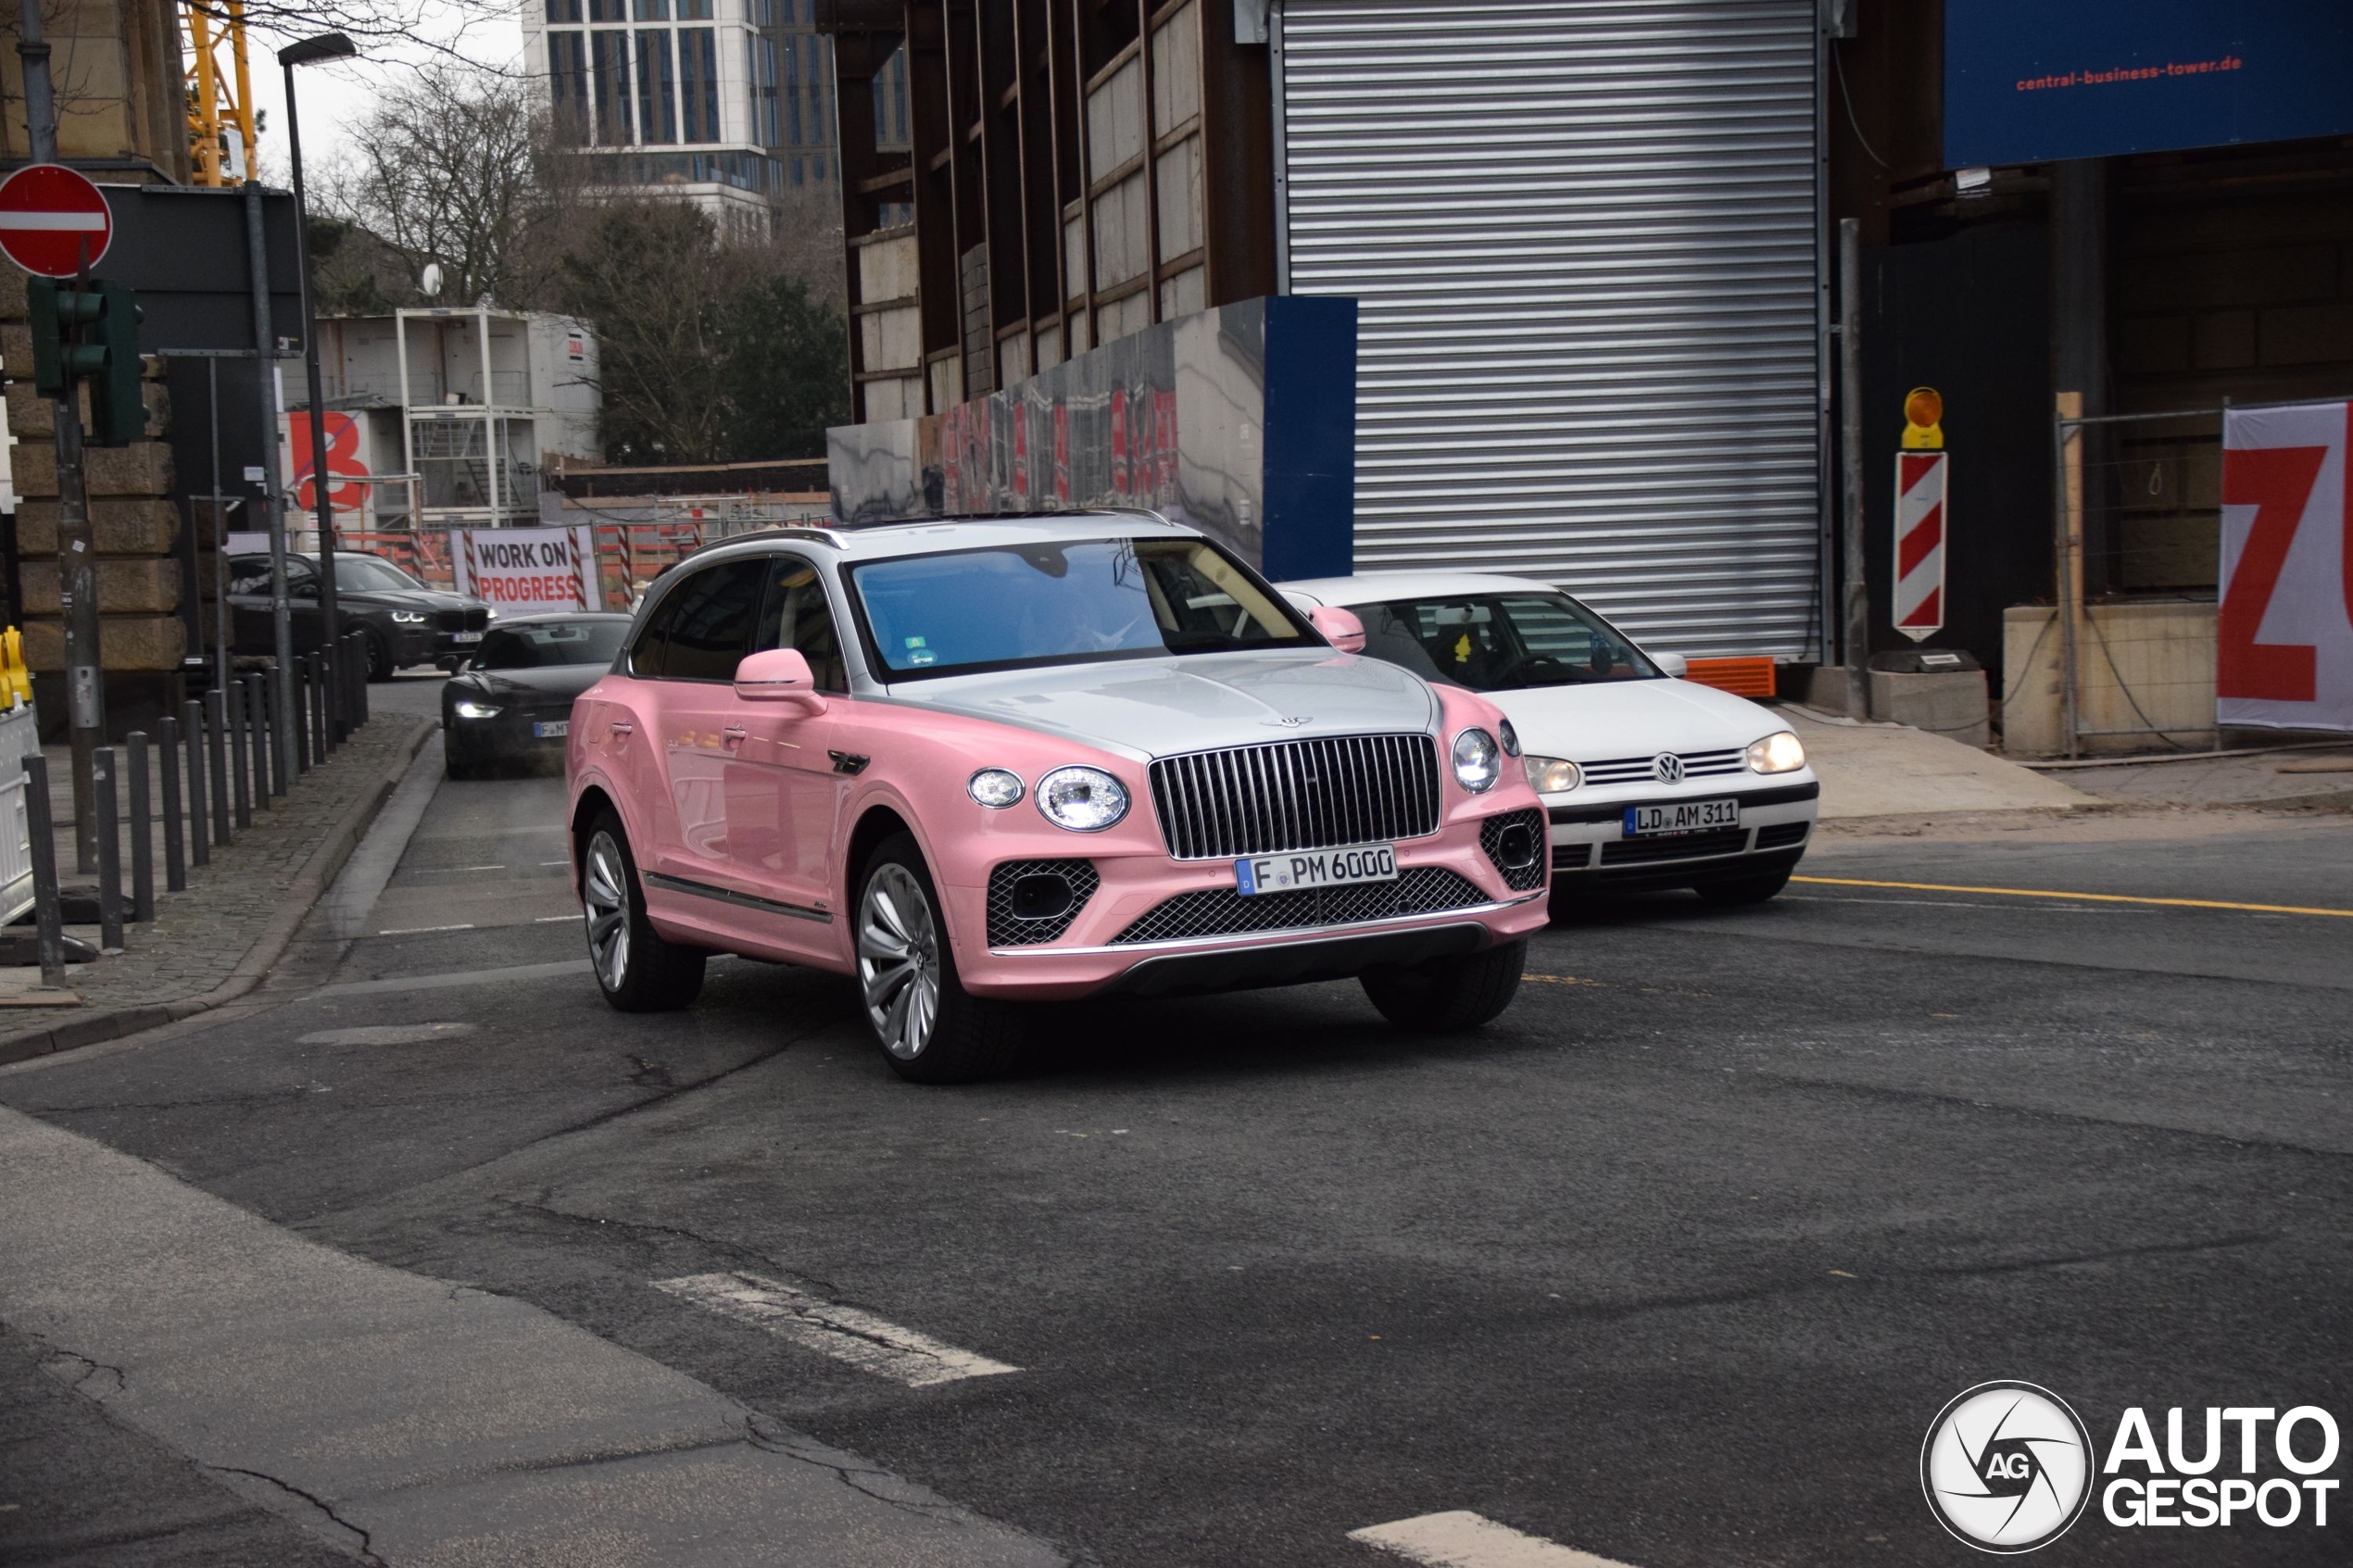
(741, 900)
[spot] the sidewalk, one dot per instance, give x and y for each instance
(1876, 770)
(215, 940)
(2301, 777)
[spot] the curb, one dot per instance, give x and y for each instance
(316, 875)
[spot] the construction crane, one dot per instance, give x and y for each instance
(220, 117)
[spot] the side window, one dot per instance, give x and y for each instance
(646, 648)
(709, 631)
(302, 579)
(796, 615)
(249, 574)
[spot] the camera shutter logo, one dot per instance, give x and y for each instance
(2007, 1467)
(1667, 767)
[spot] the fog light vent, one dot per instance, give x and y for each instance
(1034, 901)
(1515, 842)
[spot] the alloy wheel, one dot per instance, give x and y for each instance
(898, 961)
(604, 897)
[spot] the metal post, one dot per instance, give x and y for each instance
(175, 839)
(359, 680)
(1855, 598)
(315, 666)
(216, 719)
(280, 747)
(143, 832)
(48, 923)
(265, 348)
(2069, 439)
(257, 711)
(233, 704)
(330, 667)
(331, 620)
(102, 780)
(199, 829)
(221, 627)
(298, 686)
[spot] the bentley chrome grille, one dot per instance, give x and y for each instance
(1316, 794)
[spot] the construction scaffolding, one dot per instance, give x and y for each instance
(220, 117)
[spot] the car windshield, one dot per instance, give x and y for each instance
(368, 574)
(1501, 642)
(1063, 602)
(543, 642)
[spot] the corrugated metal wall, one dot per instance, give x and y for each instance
(1584, 233)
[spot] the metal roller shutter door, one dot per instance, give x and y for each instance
(1584, 233)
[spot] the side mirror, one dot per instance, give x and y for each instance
(1673, 664)
(1340, 628)
(778, 675)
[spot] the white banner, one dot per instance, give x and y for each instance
(523, 570)
(2284, 638)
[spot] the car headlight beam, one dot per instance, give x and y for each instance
(1479, 761)
(468, 708)
(1781, 752)
(408, 618)
(1553, 775)
(1082, 799)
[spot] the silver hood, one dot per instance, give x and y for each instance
(1160, 707)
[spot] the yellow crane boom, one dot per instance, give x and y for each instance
(220, 120)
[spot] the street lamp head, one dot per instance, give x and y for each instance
(310, 51)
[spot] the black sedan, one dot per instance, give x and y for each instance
(513, 699)
(405, 621)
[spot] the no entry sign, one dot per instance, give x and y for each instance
(54, 223)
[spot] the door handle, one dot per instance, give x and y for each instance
(623, 727)
(734, 734)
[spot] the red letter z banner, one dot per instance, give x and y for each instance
(2283, 639)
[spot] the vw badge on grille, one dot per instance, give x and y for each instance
(1668, 767)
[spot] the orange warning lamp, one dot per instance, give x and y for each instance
(1923, 411)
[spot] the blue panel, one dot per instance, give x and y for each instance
(1311, 438)
(2033, 81)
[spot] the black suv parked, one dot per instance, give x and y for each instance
(405, 621)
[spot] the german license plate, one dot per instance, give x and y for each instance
(1683, 816)
(465, 636)
(1315, 867)
(551, 728)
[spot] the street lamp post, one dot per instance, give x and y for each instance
(309, 51)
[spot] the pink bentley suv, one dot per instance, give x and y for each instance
(984, 763)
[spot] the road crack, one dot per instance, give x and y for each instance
(365, 1543)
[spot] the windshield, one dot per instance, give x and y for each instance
(543, 643)
(1066, 602)
(1501, 642)
(371, 573)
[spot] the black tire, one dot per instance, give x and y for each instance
(1447, 996)
(647, 973)
(1744, 889)
(897, 908)
(379, 665)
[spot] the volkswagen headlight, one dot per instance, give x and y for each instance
(408, 618)
(1553, 775)
(1781, 753)
(1082, 799)
(468, 709)
(1479, 761)
(995, 788)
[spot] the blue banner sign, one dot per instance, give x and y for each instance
(2035, 81)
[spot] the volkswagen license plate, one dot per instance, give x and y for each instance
(1683, 816)
(1315, 867)
(549, 729)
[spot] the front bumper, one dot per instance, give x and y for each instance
(1113, 942)
(1590, 849)
(508, 733)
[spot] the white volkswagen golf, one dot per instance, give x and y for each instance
(1651, 781)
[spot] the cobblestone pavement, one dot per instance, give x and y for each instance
(199, 936)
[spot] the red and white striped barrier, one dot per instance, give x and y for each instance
(1919, 543)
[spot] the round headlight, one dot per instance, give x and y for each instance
(1479, 761)
(994, 787)
(1509, 736)
(1781, 753)
(1082, 799)
(1553, 775)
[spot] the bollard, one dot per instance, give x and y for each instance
(330, 671)
(175, 841)
(360, 686)
(318, 747)
(48, 922)
(299, 674)
(257, 717)
(143, 831)
(232, 701)
(281, 749)
(216, 724)
(105, 805)
(199, 831)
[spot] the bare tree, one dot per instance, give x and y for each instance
(457, 169)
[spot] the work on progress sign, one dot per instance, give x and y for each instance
(523, 569)
(2284, 636)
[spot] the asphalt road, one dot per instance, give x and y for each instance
(1672, 1265)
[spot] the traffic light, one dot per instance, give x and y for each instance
(90, 333)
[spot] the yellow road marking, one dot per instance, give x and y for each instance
(2090, 897)
(1561, 980)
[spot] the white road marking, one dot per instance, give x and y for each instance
(507, 975)
(555, 862)
(1463, 1539)
(444, 870)
(421, 930)
(847, 1334)
(551, 920)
